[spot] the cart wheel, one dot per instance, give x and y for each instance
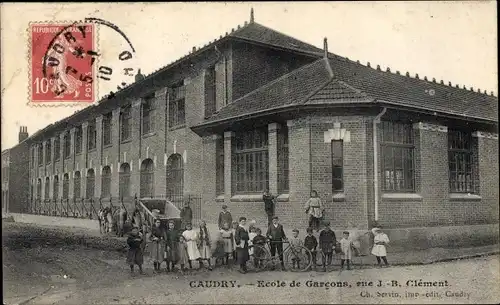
(298, 258)
(261, 257)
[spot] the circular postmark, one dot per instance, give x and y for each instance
(74, 66)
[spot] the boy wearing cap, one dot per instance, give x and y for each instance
(224, 217)
(346, 247)
(276, 235)
(379, 241)
(327, 241)
(310, 242)
(295, 243)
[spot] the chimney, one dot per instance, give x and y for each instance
(251, 15)
(23, 133)
(325, 47)
(139, 76)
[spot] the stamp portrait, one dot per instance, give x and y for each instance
(61, 63)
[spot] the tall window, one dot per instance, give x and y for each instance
(283, 169)
(47, 188)
(251, 161)
(175, 176)
(65, 186)
(57, 148)
(89, 192)
(210, 91)
(125, 128)
(48, 151)
(397, 148)
(55, 190)
(40, 154)
(177, 115)
(78, 139)
(33, 149)
(124, 180)
(67, 145)
(91, 135)
(147, 178)
(337, 165)
(460, 161)
(148, 114)
(77, 185)
(219, 166)
(39, 189)
(106, 182)
(106, 129)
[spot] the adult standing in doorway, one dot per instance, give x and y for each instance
(269, 205)
(186, 215)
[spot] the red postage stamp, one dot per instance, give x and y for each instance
(62, 64)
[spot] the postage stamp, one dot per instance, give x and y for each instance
(62, 67)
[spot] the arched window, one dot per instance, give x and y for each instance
(124, 180)
(90, 184)
(47, 188)
(65, 186)
(147, 178)
(39, 189)
(106, 182)
(175, 175)
(56, 187)
(78, 185)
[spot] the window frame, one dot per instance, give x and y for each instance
(283, 160)
(337, 162)
(461, 151)
(79, 140)
(106, 182)
(250, 161)
(107, 124)
(219, 167)
(40, 154)
(147, 179)
(90, 178)
(67, 146)
(77, 176)
(48, 152)
(402, 138)
(210, 91)
(125, 123)
(91, 136)
(57, 148)
(147, 115)
(177, 114)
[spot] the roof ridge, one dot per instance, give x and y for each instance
(268, 84)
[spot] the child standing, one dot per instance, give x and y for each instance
(191, 237)
(327, 241)
(172, 250)
(157, 239)
(183, 255)
(310, 242)
(233, 230)
(251, 235)
(135, 254)
(224, 216)
(276, 235)
(258, 253)
(227, 237)
(314, 208)
(295, 243)
(379, 241)
(346, 246)
(205, 249)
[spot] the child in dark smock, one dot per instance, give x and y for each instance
(172, 250)
(258, 253)
(135, 254)
(311, 243)
(327, 242)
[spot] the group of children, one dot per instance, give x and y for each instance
(183, 247)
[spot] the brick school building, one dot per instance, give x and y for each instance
(256, 109)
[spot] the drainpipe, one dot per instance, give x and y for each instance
(375, 159)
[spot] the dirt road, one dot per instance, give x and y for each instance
(35, 269)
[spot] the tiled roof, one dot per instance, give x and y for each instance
(352, 82)
(292, 88)
(258, 33)
(408, 91)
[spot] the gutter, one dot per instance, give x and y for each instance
(375, 160)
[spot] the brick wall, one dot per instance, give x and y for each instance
(254, 66)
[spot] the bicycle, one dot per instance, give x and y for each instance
(295, 258)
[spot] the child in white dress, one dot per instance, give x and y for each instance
(205, 245)
(191, 237)
(379, 241)
(346, 246)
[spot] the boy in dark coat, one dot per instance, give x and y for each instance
(241, 239)
(258, 253)
(224, 217)
(135, 254)
(327, 241)
(276, 235)
(311, 243)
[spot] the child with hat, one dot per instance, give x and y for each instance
(379, 241)
(327, 241)
(224, 216)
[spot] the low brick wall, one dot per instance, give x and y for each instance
(56, 221)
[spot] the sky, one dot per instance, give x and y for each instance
(452, 41)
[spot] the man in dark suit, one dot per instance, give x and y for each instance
(241, 239)
(276, 234)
